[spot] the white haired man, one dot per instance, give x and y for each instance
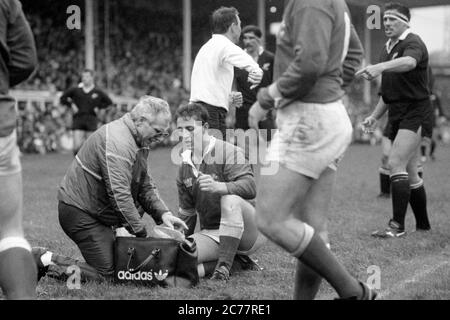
(108, 185)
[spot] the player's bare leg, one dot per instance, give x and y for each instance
(17, 268)
(239, 216)
(275, 219)
(403, 149)
(315, 213)
(385, 185)
(78, 139)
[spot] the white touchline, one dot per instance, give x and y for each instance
(417, 276)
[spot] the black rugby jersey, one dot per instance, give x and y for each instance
(411, 85)
(265, 62)
(86, 102)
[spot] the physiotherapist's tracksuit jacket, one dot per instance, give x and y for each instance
(109, 179)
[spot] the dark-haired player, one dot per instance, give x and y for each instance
(405, 92)
(216, 184)
(252, 41)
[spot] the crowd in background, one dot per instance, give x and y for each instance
(141, 62)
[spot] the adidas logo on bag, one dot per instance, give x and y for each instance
(160, 275)
(142, 275)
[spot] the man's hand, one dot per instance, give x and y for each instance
(74, 108)
(208, 184)
(370, 72)
(236, 99)
(254, 77)
(441, 120)
(368, 124)
(255, 115)
(173, 222)
(141, 233)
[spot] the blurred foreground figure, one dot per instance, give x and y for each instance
(317, 53)
(18, 59)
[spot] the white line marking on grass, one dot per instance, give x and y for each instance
(416, 277)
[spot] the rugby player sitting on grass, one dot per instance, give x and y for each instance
(216, 183)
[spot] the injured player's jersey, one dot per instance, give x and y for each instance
(225, 163)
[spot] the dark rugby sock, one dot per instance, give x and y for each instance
(418, 202)
(227, 250)
(320, 259)
(400, 197)
(385, 181)
(432, 147)
(18, 274)
(423, 150)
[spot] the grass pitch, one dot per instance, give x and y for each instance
(414, 267)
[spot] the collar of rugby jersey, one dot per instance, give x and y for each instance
(86, 89)
(402, 37)
(260, 51)
(187, 156)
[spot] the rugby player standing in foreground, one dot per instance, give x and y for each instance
(313, 43)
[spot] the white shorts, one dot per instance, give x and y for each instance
(311, 137)
(9, 155)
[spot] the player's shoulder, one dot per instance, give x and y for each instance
(98, 90)
(414, 37)
(309, 8)
(268, 54)
(326, 5)
(229, 151)
(72, 90)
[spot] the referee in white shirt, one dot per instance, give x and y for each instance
(212, 74)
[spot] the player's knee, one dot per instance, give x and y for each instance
(230, 206)
(395, 163)
(228, 202)
(271, 228)
(264, 226)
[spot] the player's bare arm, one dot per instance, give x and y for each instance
(380, 109)
(400, 65)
